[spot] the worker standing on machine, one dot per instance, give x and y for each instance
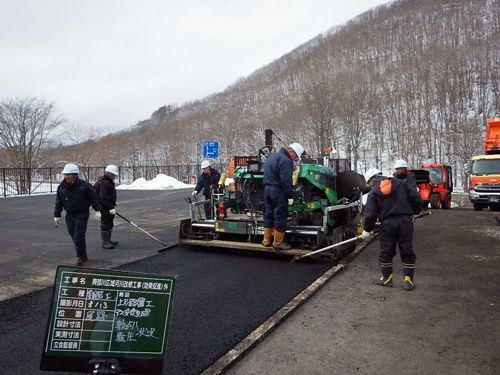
(394, 202)
(402, 173)
(208, 180)
(278, 194)
(106, 191)
(76, 196)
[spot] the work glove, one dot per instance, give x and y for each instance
(112, 211)
(194, 193)
(98, 215)
(57, 221)
(365, 235)
(290, 202)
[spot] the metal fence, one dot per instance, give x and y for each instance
(27, 181)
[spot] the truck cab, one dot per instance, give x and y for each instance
(484, 187)
(484, 183)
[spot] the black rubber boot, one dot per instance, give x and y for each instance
(105, 240)
(386, 279)
(81, 257)
(114, 243)
(408, 272)
(79, 261)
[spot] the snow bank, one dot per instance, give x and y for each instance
(160, 182)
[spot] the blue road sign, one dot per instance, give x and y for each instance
(210, 149)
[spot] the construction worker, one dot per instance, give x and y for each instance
(371, 175)
(207, 181)
(76, 196)
(402, 172)
(278, 194)
(105, 188)
(394, 202)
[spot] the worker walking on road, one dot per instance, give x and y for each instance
(207, 181)
(105, 188)
(75, 196)
(394, 202)
(278, 194)
(402, 173)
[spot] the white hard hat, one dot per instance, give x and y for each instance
(297, 148)
(371, 173)
(70, 169)
(205, 164)
(400, 164)
(112, 169)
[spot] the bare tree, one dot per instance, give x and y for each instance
(318, 111)
(25, 125)
(82, 133)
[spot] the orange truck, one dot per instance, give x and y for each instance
(484, 183)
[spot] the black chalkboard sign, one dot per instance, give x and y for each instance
(108, 314)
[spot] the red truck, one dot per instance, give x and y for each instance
(435, 184)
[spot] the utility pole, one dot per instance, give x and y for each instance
(197, 153)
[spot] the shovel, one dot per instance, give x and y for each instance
(149, 234)
(298, 257)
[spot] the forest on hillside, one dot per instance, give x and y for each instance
(411, 79)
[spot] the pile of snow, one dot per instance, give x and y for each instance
(160, 182)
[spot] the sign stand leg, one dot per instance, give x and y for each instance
(106, 366)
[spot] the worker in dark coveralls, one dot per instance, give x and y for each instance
(394, 202)
(207, 181)
(402, 173)
(278, 194)
(76, 196)
(106, 191)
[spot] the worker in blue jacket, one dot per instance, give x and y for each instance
(278, 194)
(394, 202)
(207, 182)
(75, 196)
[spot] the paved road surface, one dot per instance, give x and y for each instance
(220, 297)
(32, 246)
(447, 325)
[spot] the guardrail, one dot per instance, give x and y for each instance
(27, 181)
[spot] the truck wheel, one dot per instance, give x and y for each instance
(435, 201)
(477, 207)
(446, 204)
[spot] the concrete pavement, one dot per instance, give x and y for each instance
(447, 325)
